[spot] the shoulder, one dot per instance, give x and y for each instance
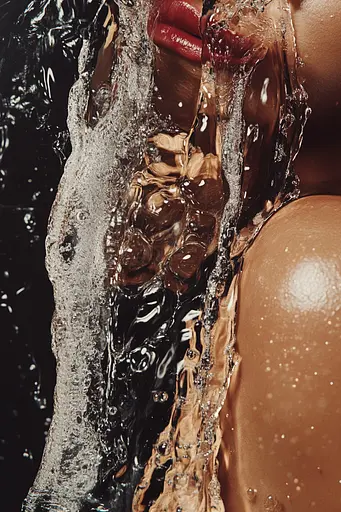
(295, 260)
(289, 316)
(287, 408)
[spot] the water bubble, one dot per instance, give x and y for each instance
(163, 448)
(29, 221)
(141, 359)
(160, 396)
(27, 454)
(186, 260)
(191, 354)
(81, 216)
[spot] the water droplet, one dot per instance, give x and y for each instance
(160, 396)
(141, 359)
(163, 448)
(81, 216)
(27, 454)
(271, 504)
(191, 354)
(251, 494)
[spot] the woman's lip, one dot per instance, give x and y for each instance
(177, 26)
(182, 15)
(177, 13)
(184, 44)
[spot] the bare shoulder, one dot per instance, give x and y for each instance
(295, 261)
(286, 410)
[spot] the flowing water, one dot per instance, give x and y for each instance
(146, 238)
(39, 46)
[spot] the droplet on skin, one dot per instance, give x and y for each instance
(191, 354)
(163, 448)
(271, 504)
(251, 494)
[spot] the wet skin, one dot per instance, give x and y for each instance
(285, 441)
(318, 33)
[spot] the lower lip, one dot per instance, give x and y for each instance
(178, 41)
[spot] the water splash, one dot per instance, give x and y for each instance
(147, 235)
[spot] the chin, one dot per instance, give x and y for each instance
(178, 83)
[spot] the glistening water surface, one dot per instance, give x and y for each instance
(146, 238)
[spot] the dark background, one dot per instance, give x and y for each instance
(39, 46)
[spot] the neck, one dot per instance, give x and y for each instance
(318, 163)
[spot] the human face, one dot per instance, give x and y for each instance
(174, 27)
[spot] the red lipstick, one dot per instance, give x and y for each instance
(175, 25)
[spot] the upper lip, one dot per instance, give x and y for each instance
(177, 24)
(177, 13)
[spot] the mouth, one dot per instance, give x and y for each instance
(175, 25)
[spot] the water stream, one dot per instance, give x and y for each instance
(146, 237)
